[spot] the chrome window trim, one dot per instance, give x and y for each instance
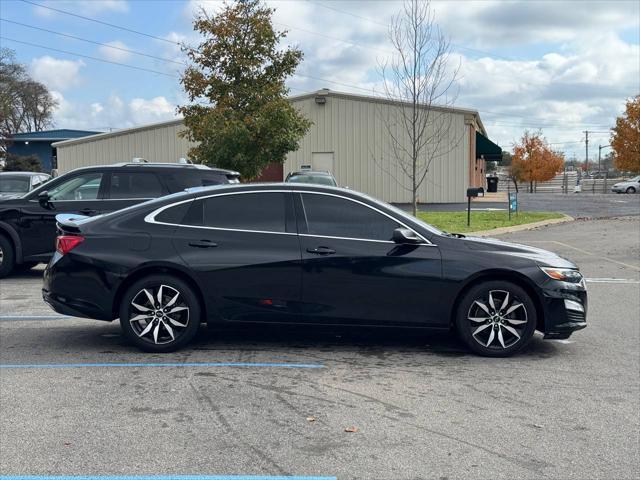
(151, 217)
(99, 199)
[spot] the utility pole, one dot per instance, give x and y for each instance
(586, 149)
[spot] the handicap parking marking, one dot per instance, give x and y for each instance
(137, 365)
(163, 477)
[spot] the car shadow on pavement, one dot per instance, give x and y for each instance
(93, 339)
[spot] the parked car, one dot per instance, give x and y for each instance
(308, 254)
(628, 186)
(27, 224)
(18, 184)
(310, 176)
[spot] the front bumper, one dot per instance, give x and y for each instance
(618, 189)
(565, 307)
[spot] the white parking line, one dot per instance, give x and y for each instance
(612, 280)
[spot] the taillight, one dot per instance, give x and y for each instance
(66, 243)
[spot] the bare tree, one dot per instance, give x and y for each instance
(419, 80)
(25, 105)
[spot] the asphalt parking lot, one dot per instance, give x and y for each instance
(584, 205)
(277, 400)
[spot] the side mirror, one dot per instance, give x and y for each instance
(43, 199)
(406, 235)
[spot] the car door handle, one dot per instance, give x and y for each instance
(321, 251)
(88, 211)
(203, 244)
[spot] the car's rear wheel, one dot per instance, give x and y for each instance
(160, 313)
(631, 190)
(496, 319)
(7, 257)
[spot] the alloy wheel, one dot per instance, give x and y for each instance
(158, 315)
(497, 321)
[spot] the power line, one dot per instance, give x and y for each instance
(93, 42)
(89, 57)
(101, 22)
(368, 19)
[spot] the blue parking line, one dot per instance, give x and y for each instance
(19, 318)
(203, 364)
(162, 477)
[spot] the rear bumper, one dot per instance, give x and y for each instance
(77, 289)
(72, 307)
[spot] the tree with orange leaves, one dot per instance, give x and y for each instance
(625, 138)
(534, 161)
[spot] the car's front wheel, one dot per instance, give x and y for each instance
(496, 318)
(160, 313)
(631, 190)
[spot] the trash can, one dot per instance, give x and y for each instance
(492, 184)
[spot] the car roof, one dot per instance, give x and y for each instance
(25, 174)
(159, 165)
(311, 172)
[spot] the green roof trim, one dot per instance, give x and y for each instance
(487, 149)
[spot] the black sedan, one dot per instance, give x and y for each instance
(294, 253)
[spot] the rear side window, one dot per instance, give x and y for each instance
(175, 214)
(134, 185)
(337, 217)
(251, 211)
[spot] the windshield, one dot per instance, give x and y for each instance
(637, 179)
(14, 184)
(316, 179)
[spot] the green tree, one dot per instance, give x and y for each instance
(238, 115)
(19, 163)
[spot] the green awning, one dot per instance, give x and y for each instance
(487, 149)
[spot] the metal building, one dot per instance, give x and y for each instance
(347, 138)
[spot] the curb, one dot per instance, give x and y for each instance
(520, 228)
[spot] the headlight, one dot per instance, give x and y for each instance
(563, 274)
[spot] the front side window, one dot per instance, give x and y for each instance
(249, 211)
(125, 185)
(337, 217)
(81, 187)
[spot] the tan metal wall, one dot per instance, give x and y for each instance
(349, 127)
(159, 143)
(353, 129)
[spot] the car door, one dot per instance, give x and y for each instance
(126, 187)
(244, 249)
(79, 193)
(352, 271)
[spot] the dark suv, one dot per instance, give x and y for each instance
(28, 226)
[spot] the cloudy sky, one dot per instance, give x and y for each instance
(562, 66)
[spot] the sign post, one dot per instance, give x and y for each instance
(513, 203)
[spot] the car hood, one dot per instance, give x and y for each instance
(10, 195)
(538, 255)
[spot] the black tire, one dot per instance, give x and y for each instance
(7, 257)
(631, 190)
(489, 332)
(157, 337)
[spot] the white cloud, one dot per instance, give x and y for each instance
(55, 73)
(83, 7)
(112, 113)
(115, 51)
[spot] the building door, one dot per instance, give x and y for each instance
(322, 161)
